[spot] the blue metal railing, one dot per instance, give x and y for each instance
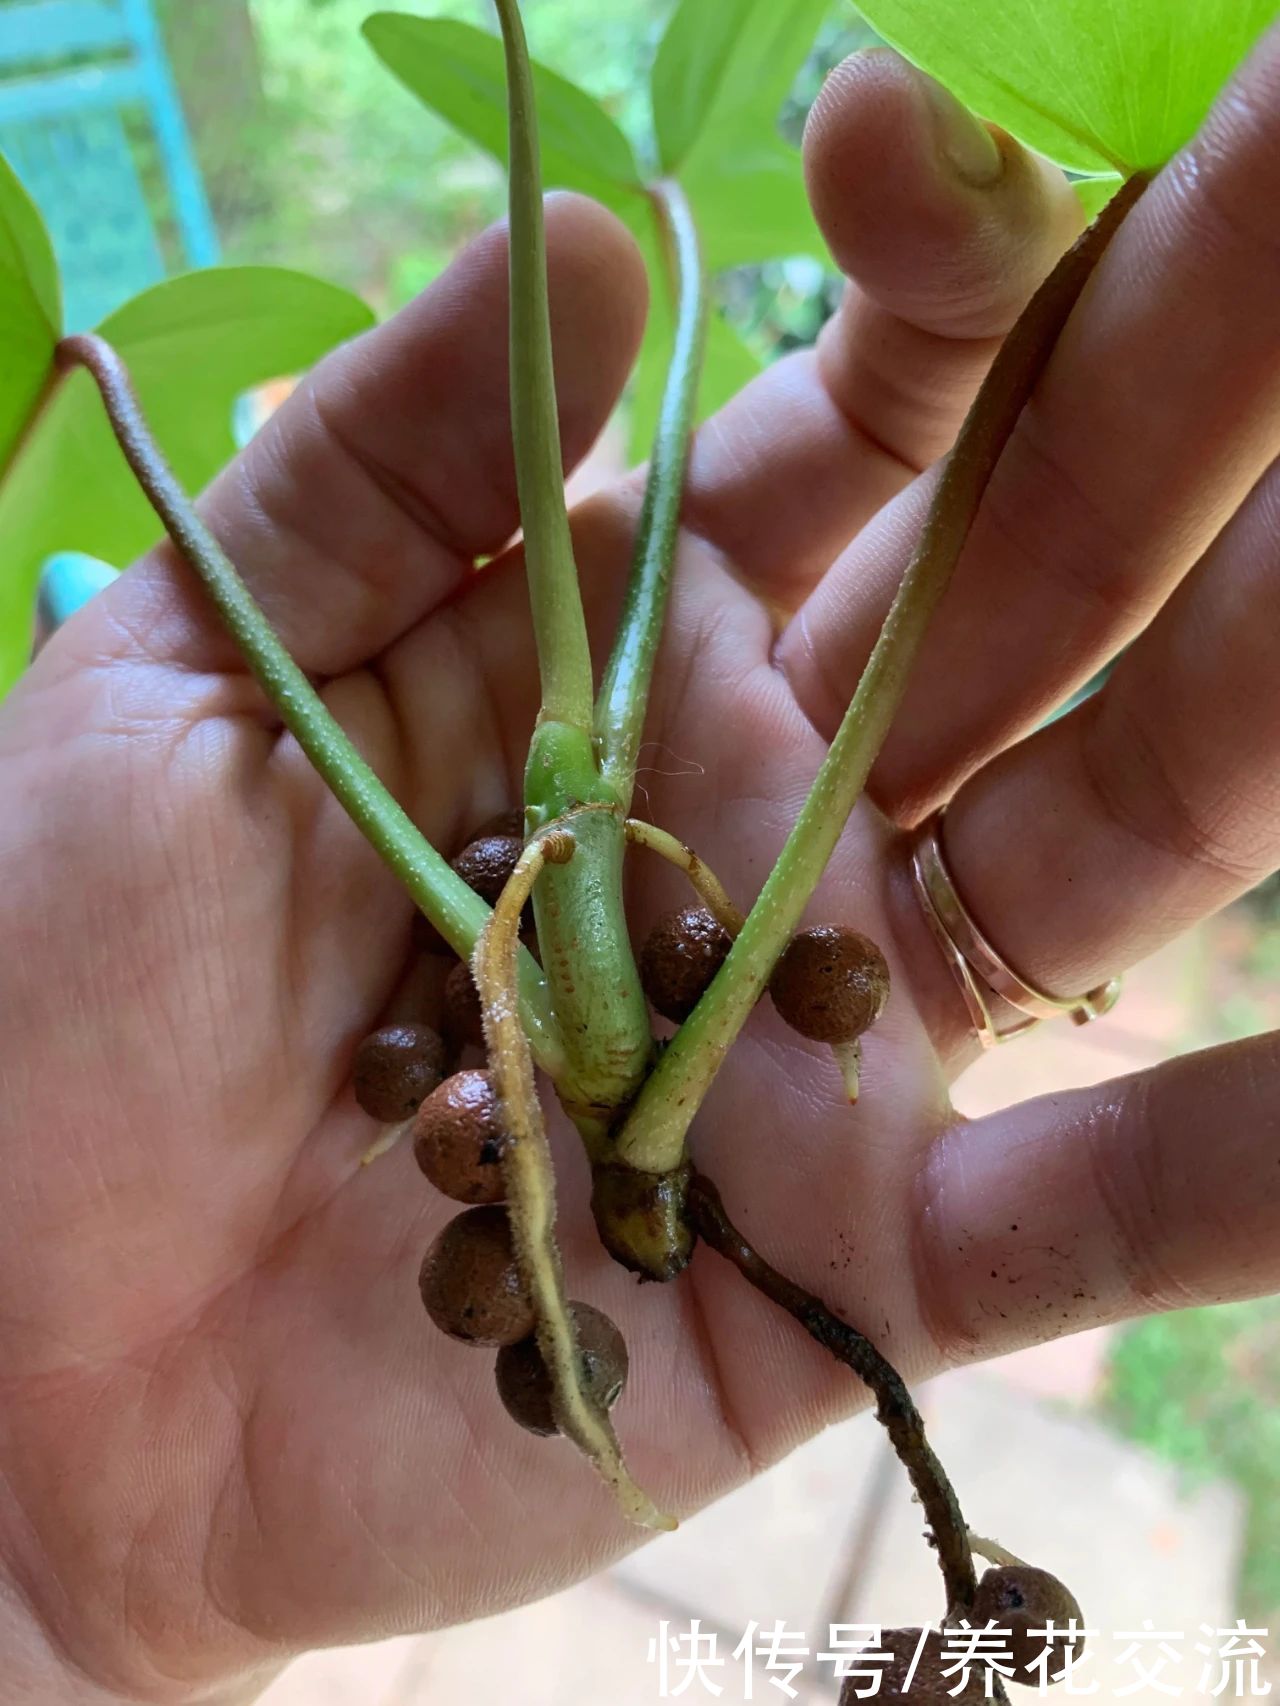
(80, 82)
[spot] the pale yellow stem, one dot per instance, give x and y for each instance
(530, 1179)
(993, 1551)
(715, 897)
(849, 1059)
(386, 1140)
(710, 890)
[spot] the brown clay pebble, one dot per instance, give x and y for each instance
(486, 864)
(458, 1138)
(463, 1015)
(470, 1283)
(681, 955)
(396, 1069)
(525, 1386)
(1022, 1599)
(831, 984)
(937, 1679)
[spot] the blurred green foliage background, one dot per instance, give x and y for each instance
(1201, 1387)
(314, 158)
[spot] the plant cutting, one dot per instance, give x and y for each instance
(576, 1006)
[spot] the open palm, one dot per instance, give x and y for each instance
(230, 1433)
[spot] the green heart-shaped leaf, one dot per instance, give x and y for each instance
(459, 72)
(193, 344)
(1097, 85)
(1094, 193)
(720, 57)
(722, 73)
(30, 309)
(746, 186)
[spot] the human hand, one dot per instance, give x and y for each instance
(229, 1432)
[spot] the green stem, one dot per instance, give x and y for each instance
(624, 693)
(560, 628)
(653, 1137)
(586, 952)
(582, 928)
(456, 911)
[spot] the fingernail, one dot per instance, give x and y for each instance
(964, 141)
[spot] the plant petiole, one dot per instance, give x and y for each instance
(456, 910)
(654, 1134)
(624, 693)
(582, 928)
(560, 628)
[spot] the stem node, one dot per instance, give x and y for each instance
(456, 911)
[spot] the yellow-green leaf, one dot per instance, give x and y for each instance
(30, 309)
(746, 186)
(458, 71)
(193, 344)
(1097, 85)
(719, 57)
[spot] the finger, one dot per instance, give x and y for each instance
(1157, 414)
(945, 229)
(370, 493)
(1158, 1191)
(1085, 848)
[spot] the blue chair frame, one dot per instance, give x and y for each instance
(68, 66)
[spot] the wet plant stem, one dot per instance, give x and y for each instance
(530, 1176)
(624, 693)
(560, 628)
(895, 1408)
(456, 910)
(582, 928)
(654, 1134)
